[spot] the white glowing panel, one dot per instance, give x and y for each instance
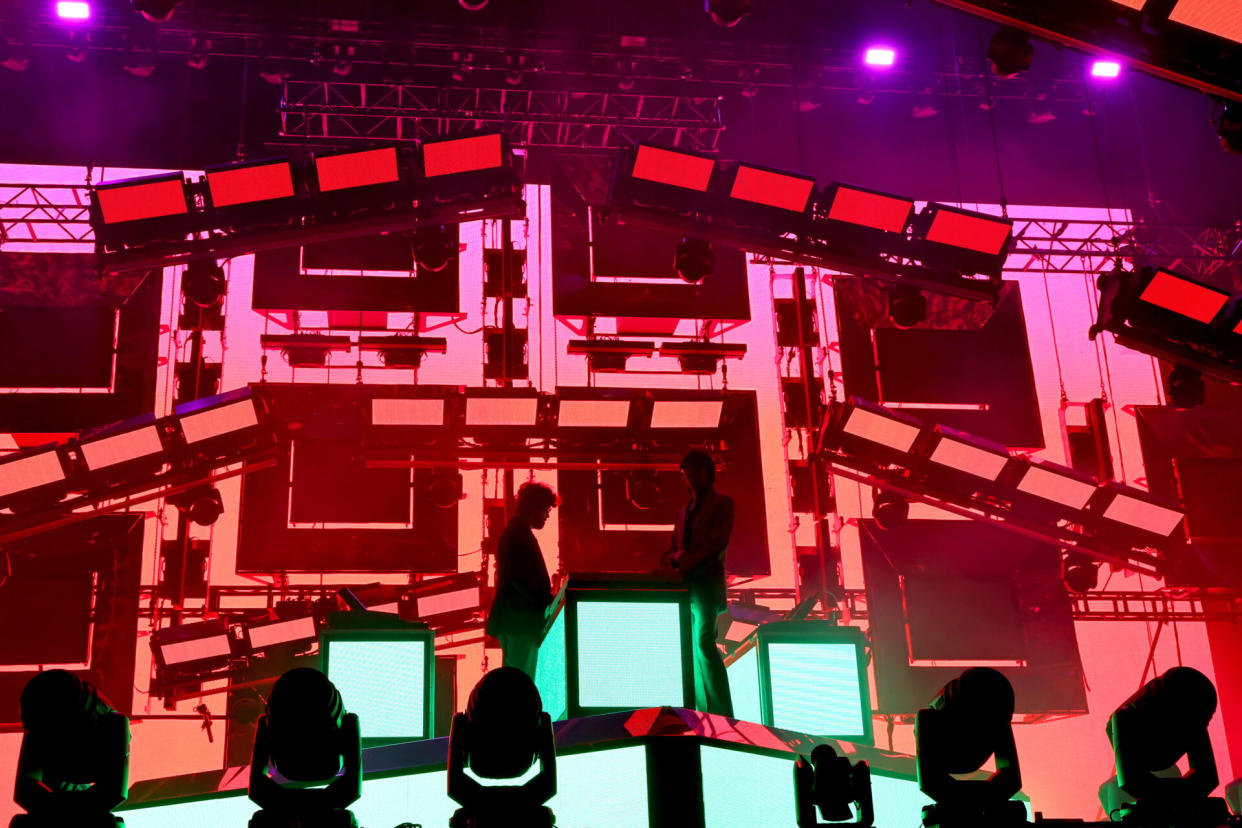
(216, 422)
(1222, 18)
(686, 413)
(399, 412)
(122, 448)
(594, 413)
(738, 630)
(1056, 488)
(885, 431)
(501, 411)
(30, 473)
(197, 649)
(1146, 516)
(969, 459)
(282, 632)
(442, 602)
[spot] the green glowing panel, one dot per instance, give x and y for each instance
(550, 671)
(383, 681)
(744, 686)
(629, 654)
(816, 688)
(898, 802)
(219, 812)
(602, 788)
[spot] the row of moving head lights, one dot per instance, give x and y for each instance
(948, 461)
(200, 435)
(851, 219)
(168, 208)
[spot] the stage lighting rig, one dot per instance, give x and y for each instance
(701, 357)
(727, 13)
(1009, 52)
(907, 306)
(305, 350)
(157, 11)
(966, 241)
(142, 210)
(434, 247)
(203, 283)
(832, 784)
(610, 355)
(693, 260)
(889, 509)
(403, 350)
(202, 505)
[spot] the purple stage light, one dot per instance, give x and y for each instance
(880, 56)
(1105, 69)
(73, 10)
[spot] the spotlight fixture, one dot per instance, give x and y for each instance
(73, 10)
(14, 56)
(1228, 127)
(202, 504)
(344, 60)
(1038, 110)
(198, 53)
(750, 82)
(889, 509)
(642, 489)
(610, 355)
(924, 104)
(693, 260)
(626, 70)
(1184, 387)
(403, 350)
(1080, 572)
(305, 350)
(1009, 52)
(472, 5)
(203, 283)
(434, 247)
(701, 357)
(463, 65)
(907, 306)
(157, 11)
(445, 489)
(727, 13)
(139, 62)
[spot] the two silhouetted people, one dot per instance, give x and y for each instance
(306, 736)
(73, 768)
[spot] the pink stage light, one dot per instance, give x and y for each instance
(880, 56)
(775, 189)
(677, 169)
(70, 10)
(884, 431)
(594, 414)
(406, 412)
(343, 171)
(250, 183)
(1105, 69)
(869, 209)
(462, 155)
(1195, 301)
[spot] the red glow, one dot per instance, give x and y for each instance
(870, 209)
(971, 232)
(662, 166)
(246, 185)
(142, 201)
(357, 169)
(1171, 292)
(481, 152)
(773, 189)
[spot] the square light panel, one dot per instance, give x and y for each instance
(867, 425)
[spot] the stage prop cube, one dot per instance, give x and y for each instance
(386, 676)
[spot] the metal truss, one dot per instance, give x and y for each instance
(333, 112)
(42, 213)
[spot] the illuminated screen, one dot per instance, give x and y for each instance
(870, 210)
(383, 681)
(773, 189)
(30, 473)
(121, 448)
(816, 688)
(550, 672)
(969, 232)
(1183, 297)
(481, 152)
(677, 169)
(214, 422)
(154, 199)
(1222, 18)
(356, 169)
(744, 686)
(246, 185)
(629, 654)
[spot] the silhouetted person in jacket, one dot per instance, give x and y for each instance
(307, 736)
(503, 732)
(73, 768)
(523, 588)
(700, 541)
(967, 722)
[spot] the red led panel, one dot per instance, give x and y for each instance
(870, 209)
(155, 199)
(1137, 5)
(1222, 18)
(1165, 290)
(356, 169)
(969, 232)
(677, 169)
(245, 185)
(774, 189)
(482, 152)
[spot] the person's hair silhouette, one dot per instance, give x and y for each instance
(967, 722)
(73, 768)
(503, 732)
(306, 736)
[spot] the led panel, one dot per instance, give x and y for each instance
(968, 459)
(480, 152)
(875, 428)
(816, 687)
(629, 654)
(686, 413)
(781, 190)
(73, 10)
(1146, 516)
(594, 414)
(880, 56)
(250, 184)
(157, 197)
(197, 649)
(867, 209)
(383, 680)
(1056, 488)
(30, 472)
(442, 602)
(356, 169)
(218, 421)
(122, 448)
(978, 233)
(1105, 69)
(551, 670)
(388, 411)
(677, 169)
(1182, 296)
(1137, 5)
(282, 632)
(1222, 18)
(738, 630)
(501, 411)
(743, 677)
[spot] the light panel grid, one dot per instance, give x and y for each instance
(442, 602)
(383, 682)
(121, 448)
(386, 411)
(1147, 516)
(142, 201)
(686, 413)
(969, 459)
(816, 688)
(629, 654)
(215, 422)
(551, 671)
(181, 652)
(1183, 297)
(594, 413)
(1056, 488)
(501, 411)
(299, 629)
(867, 425)
(743, 677)
(30, 473)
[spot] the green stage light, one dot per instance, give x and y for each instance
(628, 654)
(384, 677)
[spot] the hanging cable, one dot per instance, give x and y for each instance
(991, 102)
(1056, 350)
